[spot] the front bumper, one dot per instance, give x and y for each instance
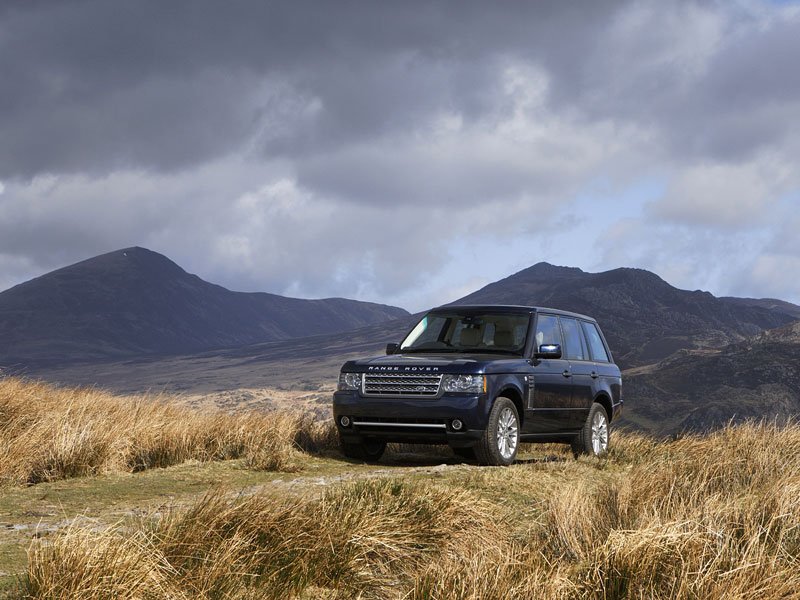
(411, 420)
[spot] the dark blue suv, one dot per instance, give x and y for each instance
(483, 379)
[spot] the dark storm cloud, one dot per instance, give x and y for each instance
(92, 86)
(295, 146)
(96, 85)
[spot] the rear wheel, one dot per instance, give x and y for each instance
(595, 435)
(367, 450)
(499, 443)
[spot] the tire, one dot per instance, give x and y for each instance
(595, 435)
(500, 441)
(467, 453)
(367, 451)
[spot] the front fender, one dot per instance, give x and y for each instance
(510, 385)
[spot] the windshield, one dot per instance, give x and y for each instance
(468, 332)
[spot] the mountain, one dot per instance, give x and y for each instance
(135, 301)
(758, 378)
(793, 310)
(644, 318)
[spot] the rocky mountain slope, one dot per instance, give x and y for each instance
(758, 378)
(793, 310)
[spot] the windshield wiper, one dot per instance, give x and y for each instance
(432, 350)
(490, 351)
(461, 351)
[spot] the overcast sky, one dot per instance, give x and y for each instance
(405, 152)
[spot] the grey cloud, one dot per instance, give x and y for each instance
(164, 86)
(715, 81)
(771, 276)
(707, 259)
(726, 197)
(293, 146)
(227, 227)
(785, 239)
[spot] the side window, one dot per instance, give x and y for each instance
(595, 342)
(547, 331)
(574, 345)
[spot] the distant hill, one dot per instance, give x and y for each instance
(644, 318)
(793, 310)
(700, 390)
(134, 301)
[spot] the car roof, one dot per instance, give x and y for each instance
(510, 308)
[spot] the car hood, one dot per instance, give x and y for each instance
(437, 363)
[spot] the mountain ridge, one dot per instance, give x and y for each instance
(644, 318)
(135, 301)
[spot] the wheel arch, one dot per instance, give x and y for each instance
(604, 400)
(515, 395)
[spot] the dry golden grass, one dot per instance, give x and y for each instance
(49, 433)
(360, 539)
(715, 516)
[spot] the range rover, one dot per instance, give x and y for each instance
(483, 379)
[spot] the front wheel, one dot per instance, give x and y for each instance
(594, 437)
(499, 443)
(368, 451)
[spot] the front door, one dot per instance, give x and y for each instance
(551, 393)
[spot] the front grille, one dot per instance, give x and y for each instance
(401, 385)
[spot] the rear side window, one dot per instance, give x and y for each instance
(547, 331)
(575, 347)
(596, 346)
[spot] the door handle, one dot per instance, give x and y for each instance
(566, 373)
(595, 375)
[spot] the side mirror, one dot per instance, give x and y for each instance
(392, 348)
(548, 351)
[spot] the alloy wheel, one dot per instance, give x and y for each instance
(507, 433)
(599, 433)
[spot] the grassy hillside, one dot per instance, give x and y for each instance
(714, 516)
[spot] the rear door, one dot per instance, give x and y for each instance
(606, 372)
(583, 370)
(550, 396)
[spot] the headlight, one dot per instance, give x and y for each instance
(349, 381)
(463, 383)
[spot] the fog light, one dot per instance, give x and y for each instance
(456, 425)
(344, 421)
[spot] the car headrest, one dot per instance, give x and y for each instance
(470, 337)
(504, 339)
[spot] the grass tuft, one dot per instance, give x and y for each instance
(49, 433)
(704, 516)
